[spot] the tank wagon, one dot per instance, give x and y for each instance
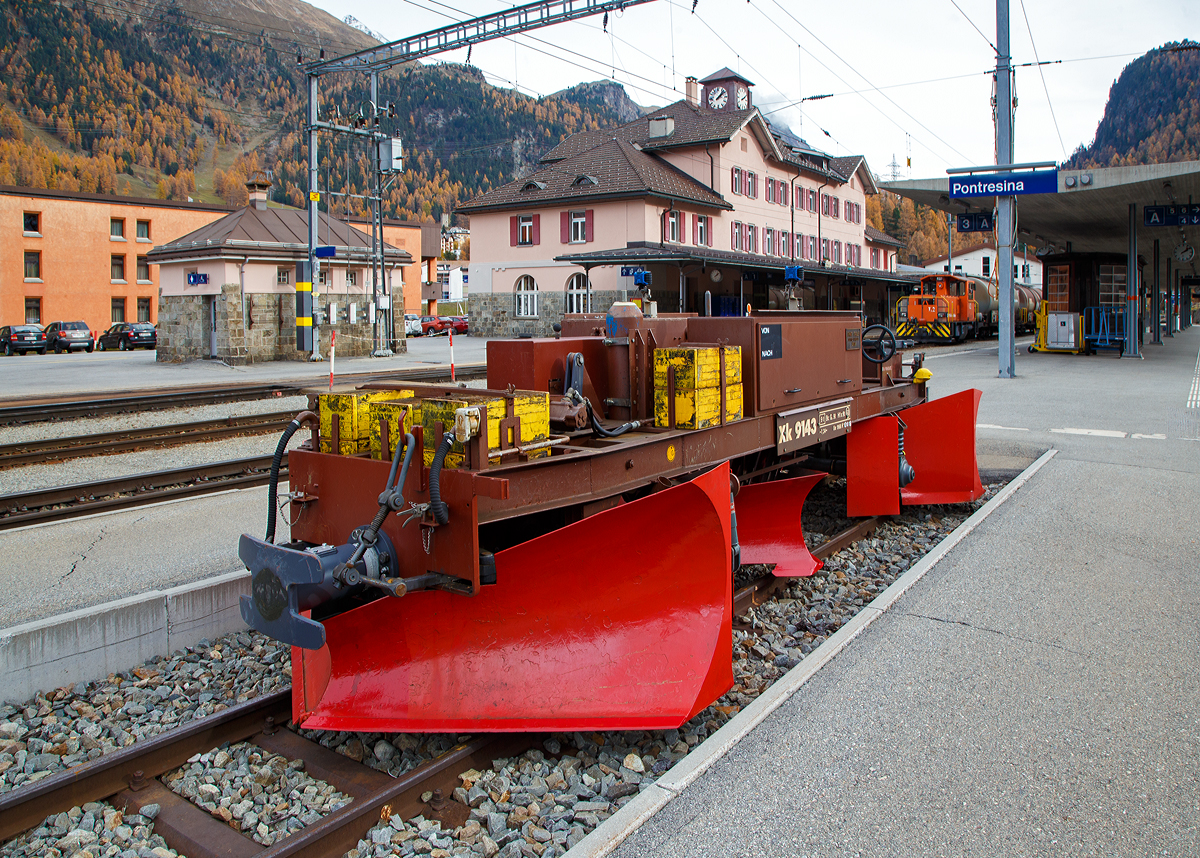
(948, 308)
(555, 552)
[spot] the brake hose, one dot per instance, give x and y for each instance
(441, 512)
(608, 433)
(276, 462)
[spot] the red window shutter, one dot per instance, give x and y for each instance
(695, 231)
(512, 231)
(708, 229)
(565, 226)
(537, 229)
(588, 233)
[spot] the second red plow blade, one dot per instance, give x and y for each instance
(769, 529)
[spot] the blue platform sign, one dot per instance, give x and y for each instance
(197, 279)
(1004, 184)
(1180, 215)
(974, 222)
(325, 252)
(630, 270)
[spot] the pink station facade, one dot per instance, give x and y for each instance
(704, 196)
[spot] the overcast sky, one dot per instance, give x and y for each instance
(908, 77)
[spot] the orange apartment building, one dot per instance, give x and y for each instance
(71, 256)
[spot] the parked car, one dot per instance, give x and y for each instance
(431, 325)
(22, 339)
(125, 335)
(458, 323)
(412, 325)
(69, 336)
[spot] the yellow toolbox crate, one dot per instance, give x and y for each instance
(698, 409)
(533, 407)
(353, 416)
(401, 415)
(697, 367)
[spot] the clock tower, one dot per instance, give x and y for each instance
(726, 90)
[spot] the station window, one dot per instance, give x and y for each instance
(143, 269)
(143, 230)
(117, 267)
(323, 277)
(283, 276)
(987, 266)
(526, 297)
(33, 265)
(143, 309)
(118, 310)
(702, 229)
(526, 229)
(674, 228)
(116, 228)
(578, 227)
(32, 223)
(578, 299)
(351, 278)
(874, 257)
(33, 311)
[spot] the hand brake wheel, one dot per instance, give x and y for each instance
(880, 347)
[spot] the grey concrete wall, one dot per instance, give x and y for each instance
(90, 644)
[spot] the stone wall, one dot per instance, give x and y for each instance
(491, 314)
(267, 332)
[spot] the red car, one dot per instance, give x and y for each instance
(458, 323)
(431, 325)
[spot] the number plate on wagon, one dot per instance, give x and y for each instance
(803, 427)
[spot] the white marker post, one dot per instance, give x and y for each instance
(332, 345)
(451, 333)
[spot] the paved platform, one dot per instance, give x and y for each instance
(1038, 691)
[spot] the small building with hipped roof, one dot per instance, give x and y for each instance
(228, 290)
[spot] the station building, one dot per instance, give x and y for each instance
(86, 257)
(228, 289)
(705, 196)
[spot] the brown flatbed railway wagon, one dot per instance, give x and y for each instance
(554, 552)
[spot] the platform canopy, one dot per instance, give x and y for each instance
(1090, 212)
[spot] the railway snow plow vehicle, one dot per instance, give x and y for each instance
(555, 551)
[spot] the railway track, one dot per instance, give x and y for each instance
(66, 408)
(130, 779)
(54, 504)
(153, 437)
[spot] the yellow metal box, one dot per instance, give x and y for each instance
(353, 418)
(698, 409)
(533, 407)
(697, 367)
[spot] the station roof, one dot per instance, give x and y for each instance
(1092, 213)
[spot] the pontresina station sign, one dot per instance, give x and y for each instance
(1004, 184)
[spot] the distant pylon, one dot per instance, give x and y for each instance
(894, 167)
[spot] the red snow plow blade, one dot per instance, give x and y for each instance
(769, 531)
(939, 443)
(621, 621)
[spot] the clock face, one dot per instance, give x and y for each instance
(1185, 252)
(743, 98)
(718, 98)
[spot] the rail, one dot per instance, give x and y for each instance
(153, 437)
(39, 506)
(129, 778)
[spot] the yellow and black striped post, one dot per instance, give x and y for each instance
(304, 308)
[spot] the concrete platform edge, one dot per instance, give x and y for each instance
(613, 831)
(91, 643)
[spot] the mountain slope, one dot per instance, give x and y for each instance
(183, 98)
(1153, 112)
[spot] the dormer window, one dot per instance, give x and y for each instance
(585, 180)
(534, 186)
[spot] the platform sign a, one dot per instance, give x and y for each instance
(1180, 215)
